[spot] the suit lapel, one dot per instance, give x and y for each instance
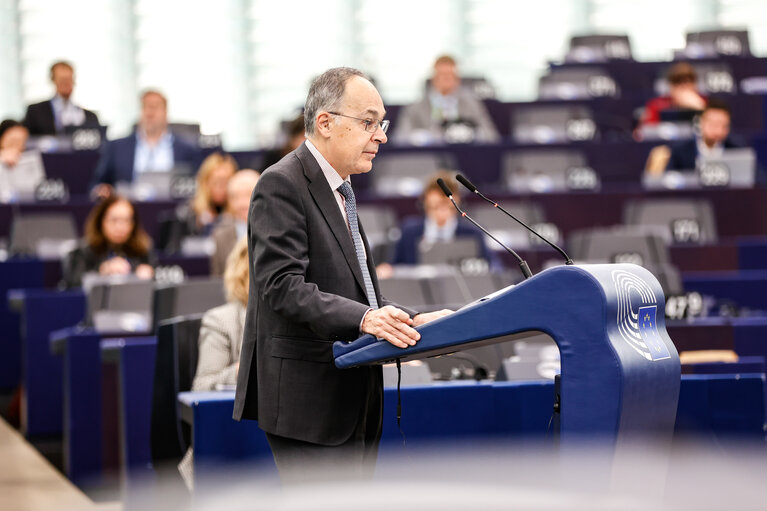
(326, 202)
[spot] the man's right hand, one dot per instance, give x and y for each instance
(391, 324)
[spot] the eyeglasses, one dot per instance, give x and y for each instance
(371, 125)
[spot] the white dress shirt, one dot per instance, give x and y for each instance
(66, 113)
(153, 158)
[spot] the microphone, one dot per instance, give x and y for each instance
(522, 263)
(468, 184)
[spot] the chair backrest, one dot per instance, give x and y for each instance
(577, 83)
(448, 290)
(115, 306)
(175, 365)
(192, 296)
(638, 244)
(557, 170)
(405, 174)
(452, 252)
(407, 291)
(682, 220)
(28, 230)
(714, 43)
(381, 229)
(379, 222)
(547, 124)
(634, 244)
(599, 48)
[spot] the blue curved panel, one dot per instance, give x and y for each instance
(620, 370)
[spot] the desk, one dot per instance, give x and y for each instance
(745, 288)
(107, 402)
(42, 312)
(14, 274)
(456, 412)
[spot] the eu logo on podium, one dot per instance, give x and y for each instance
(649, 331)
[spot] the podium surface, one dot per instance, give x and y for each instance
(620, 369)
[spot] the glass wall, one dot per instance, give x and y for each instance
(239, 67)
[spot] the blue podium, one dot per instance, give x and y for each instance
(620, 370)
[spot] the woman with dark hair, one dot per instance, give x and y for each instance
(115, 244)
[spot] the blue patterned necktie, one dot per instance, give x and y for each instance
(351, 213)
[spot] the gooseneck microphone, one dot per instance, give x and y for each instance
(468, 184)
(522, 263)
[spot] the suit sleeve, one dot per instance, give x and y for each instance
(280, 244)
(104, 172)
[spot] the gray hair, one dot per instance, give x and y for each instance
(326, 93)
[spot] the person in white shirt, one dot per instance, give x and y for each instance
(20, 170)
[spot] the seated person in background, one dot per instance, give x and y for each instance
(221, 328)
(683, 94)
(234, 222)
(200, 215)
(20, 171)
(445, 102)
(295, 137)
(53, 116)
(152, 148)
(115, 244)
(714, 138)
(440, 224)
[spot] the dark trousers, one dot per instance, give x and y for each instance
(301, 462)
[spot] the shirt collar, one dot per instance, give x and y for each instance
(709, 152)
(165, 139)
(333, 177)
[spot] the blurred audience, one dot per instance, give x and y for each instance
(221, 328)
(713, 139)
(683, 94)
(199, 216)
(446, 103)
(55, 115)
(20, 170)
(295, 136)
(152, 148)
(115, 244)
(440, 223)
(234, 222)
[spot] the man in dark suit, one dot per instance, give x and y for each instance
(439, 224)
(55, 115)
(151, 148)
(315, 284)
(714, 138)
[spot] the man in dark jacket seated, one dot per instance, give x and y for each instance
(440, 224)
(714, 138)
(152, 148)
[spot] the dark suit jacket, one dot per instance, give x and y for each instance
(39, 119)
(412, 229)
(118, 156)
(306, 293)
(684, 154)
(83, 260)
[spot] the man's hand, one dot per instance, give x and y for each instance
(391, 324)
(425, 317)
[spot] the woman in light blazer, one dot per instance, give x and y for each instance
(221, 328)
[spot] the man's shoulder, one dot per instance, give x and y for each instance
(39, 105)
(290, 166)
(412, 225)
(684, 145)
